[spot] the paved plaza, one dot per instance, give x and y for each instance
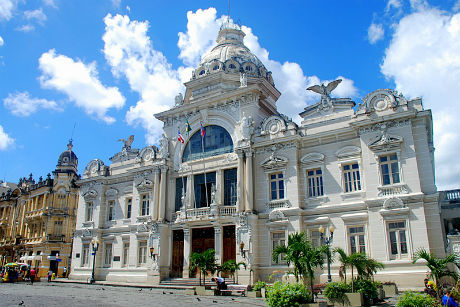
(69, 295)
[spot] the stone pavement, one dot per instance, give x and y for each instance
(76, 295)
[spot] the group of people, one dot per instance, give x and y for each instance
(447, 299)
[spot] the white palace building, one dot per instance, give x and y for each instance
(256, 176)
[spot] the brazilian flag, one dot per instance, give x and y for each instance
(187, 126)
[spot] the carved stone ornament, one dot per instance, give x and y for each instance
(246, 125)
(348, 151)
(164, 147)
(148, 153)
(153, 227)
(385, 141)
(274, 161)
(381, 100)
(231, 157)
(111, 192)
(90, 194)
(313, 157)
(242, 219)
(273, 125)
(145, 184)
(393, 203)
(276, 215)
(86, 233)
(142, 227)
(93, 167)
(178, 100)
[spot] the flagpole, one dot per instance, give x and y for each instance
(187, 129)
(204, 163)
(182, 177)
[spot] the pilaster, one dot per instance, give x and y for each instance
(249, 193)
(187, 248)
(156, 190)
(162, 210)
(240, 181)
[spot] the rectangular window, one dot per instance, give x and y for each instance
(180, 183)
(398, 242)
(111, 210)
(315, 182)
(129, 206)
(85, 255)
(145, 204)
(315, 237)
(125, 254)
(276, 186)
(357, 239)
(142, 253)
(89, 212)
(278, 239)
(202, 185)
(389, 168)
(108, 254)
(57, 228)
(351, 177)
(230, 187)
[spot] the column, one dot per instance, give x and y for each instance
(240, 190)
(249, 199)
(219, 187)
(218, 243)
(161, 214)
(187, 248)
(190, 200)
(156, 189)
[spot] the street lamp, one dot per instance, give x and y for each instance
(95, 246)
(242, 251)
(327, 241)
(152, 255)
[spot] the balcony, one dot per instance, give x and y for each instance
(394, 189)
(204, 213)
(55, 238)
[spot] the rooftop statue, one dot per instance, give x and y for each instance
(325, 90)
(127, 143)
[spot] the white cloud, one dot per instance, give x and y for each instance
(131, 54)
(37, 15)
(1, 41)
(50, 3)
(423, 60)
(202, 29)
(116, 3)
(6, 9)
(80, 83)
(5, 140)
(375, 33)
(21, 104)
(26, 28)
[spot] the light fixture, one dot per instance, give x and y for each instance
(152, 255)
(242, 251)
(321, 229)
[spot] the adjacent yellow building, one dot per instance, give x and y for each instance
(37, 219)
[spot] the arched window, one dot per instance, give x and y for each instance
(215, 142)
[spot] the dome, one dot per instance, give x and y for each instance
(67, 160)
(231, 55)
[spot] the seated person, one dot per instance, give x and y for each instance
(448, 300)
(220, 282)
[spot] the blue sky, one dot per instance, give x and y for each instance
(108, 66)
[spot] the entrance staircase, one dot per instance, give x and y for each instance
(190, 282)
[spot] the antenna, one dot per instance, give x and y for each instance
(228, 12)
(73, 130)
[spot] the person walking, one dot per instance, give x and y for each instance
(32, 276)
(50, 274)
(64, 273)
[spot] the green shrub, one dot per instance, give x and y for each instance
(413, 299)
(287, 295)
(335, 291)
(259, 285)
(368, 288)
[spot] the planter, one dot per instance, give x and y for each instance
(263, 291)
(351, 300)
(390, 290)
(318, 304)
(254, 294)
(381, 294)
(190, 292)
(202, 290)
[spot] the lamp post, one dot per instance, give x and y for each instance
(327, 241)
(95, 246)
(242, 251)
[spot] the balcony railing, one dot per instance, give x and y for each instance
(453, 195)
(391, 190)
(204, 213)
(55, 238)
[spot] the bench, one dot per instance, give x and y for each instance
(243, 289)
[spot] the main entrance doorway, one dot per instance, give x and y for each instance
(177, 253)
(229, 243)
(202, 240)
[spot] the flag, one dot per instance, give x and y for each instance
(179, 137)
(187, 126)
(202, 130)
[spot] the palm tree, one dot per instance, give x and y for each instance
(371, 266)
(357, 260)
(302, 254)
(344, 261)
(231, 267)
(205, 262)
(437, 266)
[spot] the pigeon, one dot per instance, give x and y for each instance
(164, 292)
(102, 289)
(21, 303)
(214, 301)
(140, 290)
(198, 299)
(171, 292)
(150, 289)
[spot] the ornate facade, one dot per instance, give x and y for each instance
(239, 177)
(38, 218)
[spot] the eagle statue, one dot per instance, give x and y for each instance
(325, 90)
(127, 143)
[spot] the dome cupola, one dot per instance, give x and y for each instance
(68, 161)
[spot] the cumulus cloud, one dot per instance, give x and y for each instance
(1, 41)
(375, 33)
(21, 104)
(131, 54)
(79, 81)
(6, 9)
(5, 140)
(50, 3)
(36, 15)
(26, 28)
(116, 3)
(423, 60)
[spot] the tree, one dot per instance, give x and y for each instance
(344, 263)
(231, 267)
(302, 254)
(356, 260)
(205, 262)
(438, 266)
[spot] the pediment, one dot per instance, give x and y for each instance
(144, 184)
(274, 162)
(385, 141)
(90, 194)
(348, 151)
(313, 157)
(111, 192)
